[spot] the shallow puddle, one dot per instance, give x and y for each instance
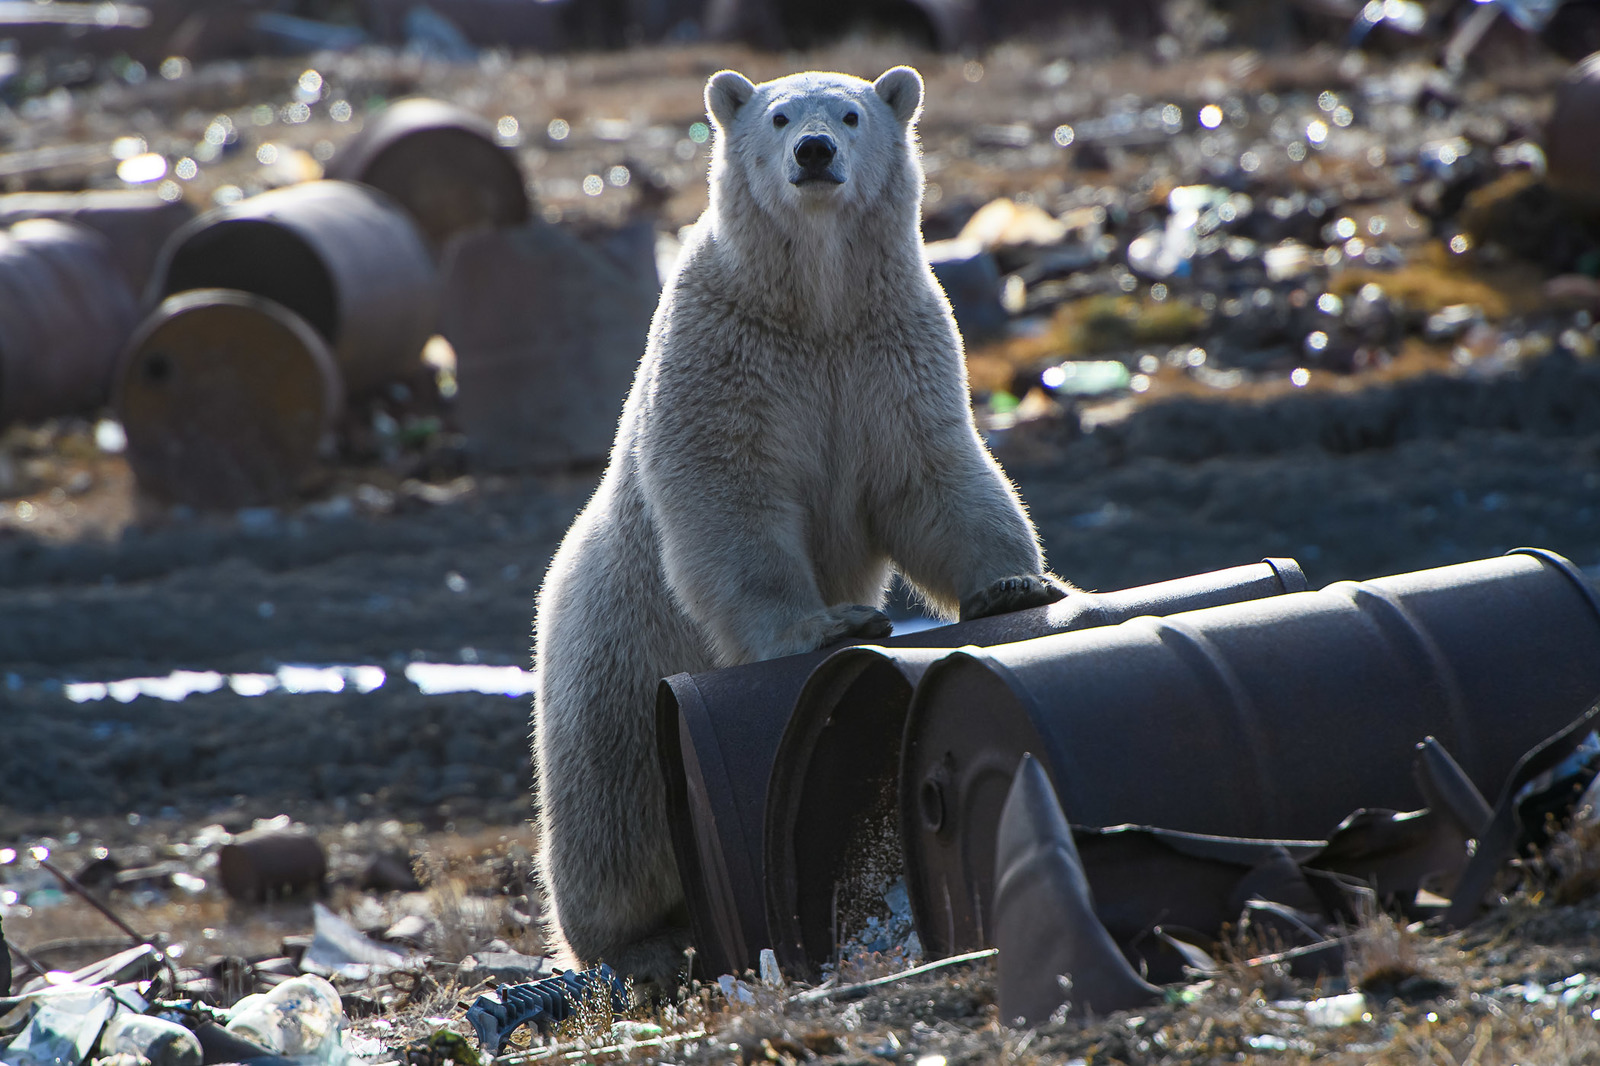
(431, 679)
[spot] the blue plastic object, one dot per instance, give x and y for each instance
(543, 1003)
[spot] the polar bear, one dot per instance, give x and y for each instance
(799, 426)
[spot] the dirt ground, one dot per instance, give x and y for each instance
(1423, 458)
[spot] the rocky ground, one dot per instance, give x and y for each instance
(1350, 356)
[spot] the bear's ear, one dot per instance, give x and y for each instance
(726, 93)
(901, 89)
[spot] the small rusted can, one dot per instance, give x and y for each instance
(1572, 136)
(342, 256)
(65, 313)
(225, 398)
(265, 864)
(441, 163)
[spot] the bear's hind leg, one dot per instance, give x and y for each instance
(658, 963)
(605, 849)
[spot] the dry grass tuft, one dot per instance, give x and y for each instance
(467, 918)
(871, 965)
(1384, 955)
(591, 1021)
(1437, 278)
(1098, 324)
(1093, 325)
(1501, 1039)
(1567, 869)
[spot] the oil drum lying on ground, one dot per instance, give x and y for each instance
(441, 163)
(225, 398)
(134, 222)
(65, 313)
(718, 737)
(341, 256)
(1273, 718)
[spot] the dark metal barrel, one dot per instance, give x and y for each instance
(718, 735)
(225, 398)
(134, 222)
(342, 256)
(441, 163)
(266, 864)
(547, 329)
(65, 313)
(1572, 136)
(1273, 718)
(832, 825)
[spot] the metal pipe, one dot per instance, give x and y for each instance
(72, 884)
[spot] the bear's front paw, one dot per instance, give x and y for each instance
(1013, 594)
(850, 622)
(855, 621)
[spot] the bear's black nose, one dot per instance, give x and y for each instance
(814, 153)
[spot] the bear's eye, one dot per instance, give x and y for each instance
(851, 118)
(780, 120)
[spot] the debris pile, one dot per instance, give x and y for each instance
(1278, 831)
(318, 998)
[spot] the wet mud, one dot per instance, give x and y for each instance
(1128, 504)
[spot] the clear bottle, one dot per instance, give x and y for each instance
(157, 1040)
(302, 1016)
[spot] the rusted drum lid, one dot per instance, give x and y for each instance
(440, 163)
(225, 397)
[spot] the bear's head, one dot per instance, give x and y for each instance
(817, 143)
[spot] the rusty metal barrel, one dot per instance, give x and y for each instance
(342, 256)
(718, 736)
(265, 864)
(65, 313)
(225, 398)
(1273, 718)
(1572, 135)
(441, 163)
(134, 222)
(832, 829)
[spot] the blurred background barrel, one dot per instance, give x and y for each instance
(441, 163)
(225, 398)
(342, 256)
(65, 312)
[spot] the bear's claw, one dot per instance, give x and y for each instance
(858, 622)
(1013, 594)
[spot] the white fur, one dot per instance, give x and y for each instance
(799, 425)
